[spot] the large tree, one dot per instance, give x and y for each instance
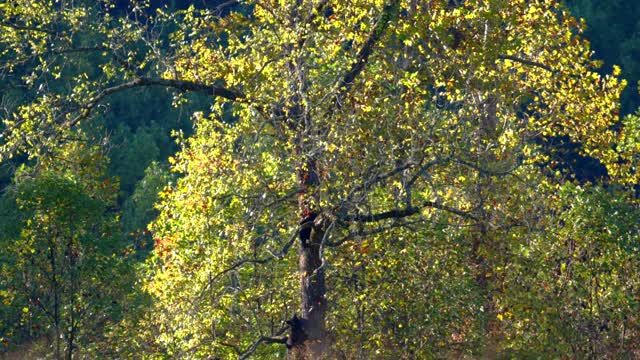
(395, 144)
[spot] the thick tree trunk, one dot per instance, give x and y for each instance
(308, 338)
(313, 341)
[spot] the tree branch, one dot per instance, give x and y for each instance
(225, 5)
(182, 85)
(283, 251)
(527, 62)
(317, 9)
(26, 28)
(489, 172)
(264, 260)
(56, 52)
(354, 234)
(263, 339)
(188, 86)
(376, 178)
(406, 212)
(77, 50)
(345, 84)
(423, 170)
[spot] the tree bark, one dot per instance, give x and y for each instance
(314, 343)
(307, 339)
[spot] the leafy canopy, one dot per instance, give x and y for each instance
(413, 129)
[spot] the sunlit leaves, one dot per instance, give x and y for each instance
(459, 99)
(65, 265)
(424, 142)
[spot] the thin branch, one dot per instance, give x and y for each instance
(488, 172)
(240, 263)
(26, 28)
(285, 197)
(316, 11)
(188, 86)
(234, 347)
(345, 84)
(423, 170)
(352, 235)
(55, 52)
(263, 339)
(283, 251)
(225, 5)
(76, 50)
(326, 235)
(527, 62)
(377, 177)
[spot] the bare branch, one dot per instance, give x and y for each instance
(187, 86)
(283, 251)
(423, 170)
(354, 234)
(234, 347)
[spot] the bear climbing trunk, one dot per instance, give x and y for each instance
(308, 336)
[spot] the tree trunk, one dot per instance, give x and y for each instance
(308, 338)
(56, 297)
(312, 342)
